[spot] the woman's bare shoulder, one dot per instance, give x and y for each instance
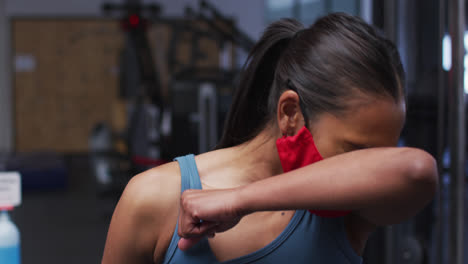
(148, 206)
(155, 193)
(156, 186)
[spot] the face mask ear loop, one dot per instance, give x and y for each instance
(301, 102)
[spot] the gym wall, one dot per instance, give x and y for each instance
(249, 19)
(66, 79)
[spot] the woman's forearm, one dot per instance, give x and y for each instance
(385, 185)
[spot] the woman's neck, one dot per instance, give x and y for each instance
(251, 161)
(260, 155)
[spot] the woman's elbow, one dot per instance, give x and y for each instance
(422, 172)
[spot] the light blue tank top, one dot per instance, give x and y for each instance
(306, 239)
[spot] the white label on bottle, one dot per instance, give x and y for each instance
(10, 189)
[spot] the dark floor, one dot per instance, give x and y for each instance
(65, 226)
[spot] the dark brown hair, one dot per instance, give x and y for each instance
(337, 59)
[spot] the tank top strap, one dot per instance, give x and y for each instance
(190, 179)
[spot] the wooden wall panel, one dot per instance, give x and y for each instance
(74, 84)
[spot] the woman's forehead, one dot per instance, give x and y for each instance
(374, 124)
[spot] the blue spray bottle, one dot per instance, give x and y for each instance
(9, 239)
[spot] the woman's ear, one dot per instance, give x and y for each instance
(289, 114)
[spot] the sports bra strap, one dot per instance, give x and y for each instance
(189, 173)
(190, 179)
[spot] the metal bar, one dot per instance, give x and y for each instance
(457, 144)
(6, 102)
(389, 24)
(438, 253)
(390, 245)
(390, 19)
(365, 10)
(207, 111)
(296, 9)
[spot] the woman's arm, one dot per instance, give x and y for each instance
(382, 185)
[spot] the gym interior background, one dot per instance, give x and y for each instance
(92, 92)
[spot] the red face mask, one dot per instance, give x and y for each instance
(299, 151)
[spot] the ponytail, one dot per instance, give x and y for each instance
(249, 113)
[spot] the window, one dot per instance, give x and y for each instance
(307, 11)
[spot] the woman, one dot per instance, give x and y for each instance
(333, 91)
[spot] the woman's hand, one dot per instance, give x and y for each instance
(206, 212)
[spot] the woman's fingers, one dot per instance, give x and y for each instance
(195, 228)
(217, 209)
(207, 229)
(204, 228)
(186, 243)
(212, 205)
